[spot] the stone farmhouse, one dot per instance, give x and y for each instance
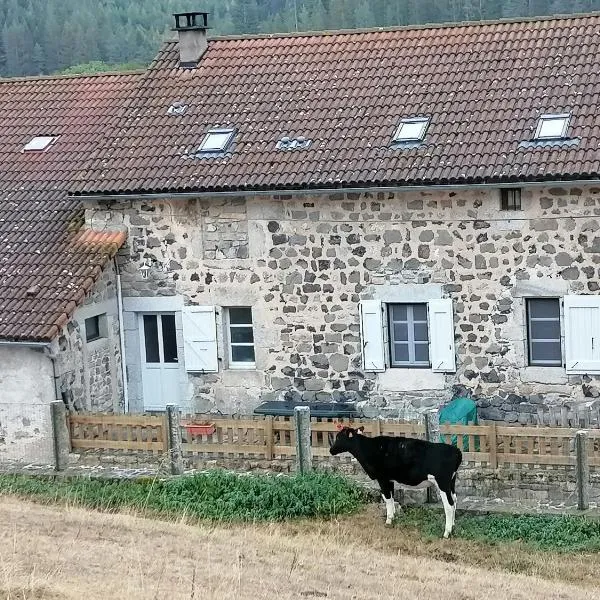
(389, 217)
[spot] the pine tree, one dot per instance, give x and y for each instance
(38, 60)
(2, 55)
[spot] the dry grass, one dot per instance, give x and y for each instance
(59, 553)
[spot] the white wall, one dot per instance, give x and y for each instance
(26, 390)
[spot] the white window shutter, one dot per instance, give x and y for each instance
(371, 335)
(582, 334)
(441, 336)
(200, 339)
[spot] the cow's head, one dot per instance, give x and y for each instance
(346, 439)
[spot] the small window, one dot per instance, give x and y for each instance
(552, 127)
(409, 335)
(411, 130)
(216, 140)
(241, 338)
(95, 328)
(543, 332)
(510, 199)
(39, 143)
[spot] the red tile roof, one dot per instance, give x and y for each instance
(47, 261)
(483, 85)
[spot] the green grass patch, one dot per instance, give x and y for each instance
(214, 496)
(562, 533)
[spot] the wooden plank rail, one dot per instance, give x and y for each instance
(497, 446)
(118, 432)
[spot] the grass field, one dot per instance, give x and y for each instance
(64, 553)
(218, 535)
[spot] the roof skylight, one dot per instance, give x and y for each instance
(412, 129)
(552, 127)
(216, 140)
(39, 143)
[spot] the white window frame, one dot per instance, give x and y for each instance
(530, 340)
(420, 136)
(205, 148)
(545, 120)
(410, 322)
(375, 336)
(236, 365)
(40, 143)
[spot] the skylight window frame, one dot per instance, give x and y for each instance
(399, 139)
(229, 131)
(30, 146)
(566, 117)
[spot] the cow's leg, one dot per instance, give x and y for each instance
(447, 503)
(454, 498)
(387, 491)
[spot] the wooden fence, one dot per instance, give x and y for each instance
(118, 432)
(271, 438)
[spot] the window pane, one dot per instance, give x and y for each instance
(552, 128)
(169, 338)
(422, 353)
(242, 354)
(242, 335)
(240, 316)
(545, 330)
(151, 339)
(399, 312)
(400, 352)
(421, 333)
(400, 332)
(546, 352)
(92, 329)
(544, 308)
(420, 312)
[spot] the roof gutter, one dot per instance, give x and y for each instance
(122, 337)
(41, 345)
(333, 190)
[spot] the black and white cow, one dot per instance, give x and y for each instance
(412, 463)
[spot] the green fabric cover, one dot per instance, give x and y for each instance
(461, 411)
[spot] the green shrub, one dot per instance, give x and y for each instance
(215, 495)
(563, 533)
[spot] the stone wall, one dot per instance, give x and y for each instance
(304, 262)
(529, 488)
(89, 373)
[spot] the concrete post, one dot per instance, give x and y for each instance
(432, 430)
(174, 437)
(60, 434)
(582, 470)
(303, 449)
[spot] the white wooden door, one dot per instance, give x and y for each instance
(160, 360)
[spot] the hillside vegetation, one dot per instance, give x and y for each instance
(49, 36)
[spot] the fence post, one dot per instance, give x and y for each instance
(583, 471)
(493, 442)
(303, 450)
(60, 434)
(432, 432)
(269, 437)
(174, 437)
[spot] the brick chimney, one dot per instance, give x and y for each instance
(191, 28)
